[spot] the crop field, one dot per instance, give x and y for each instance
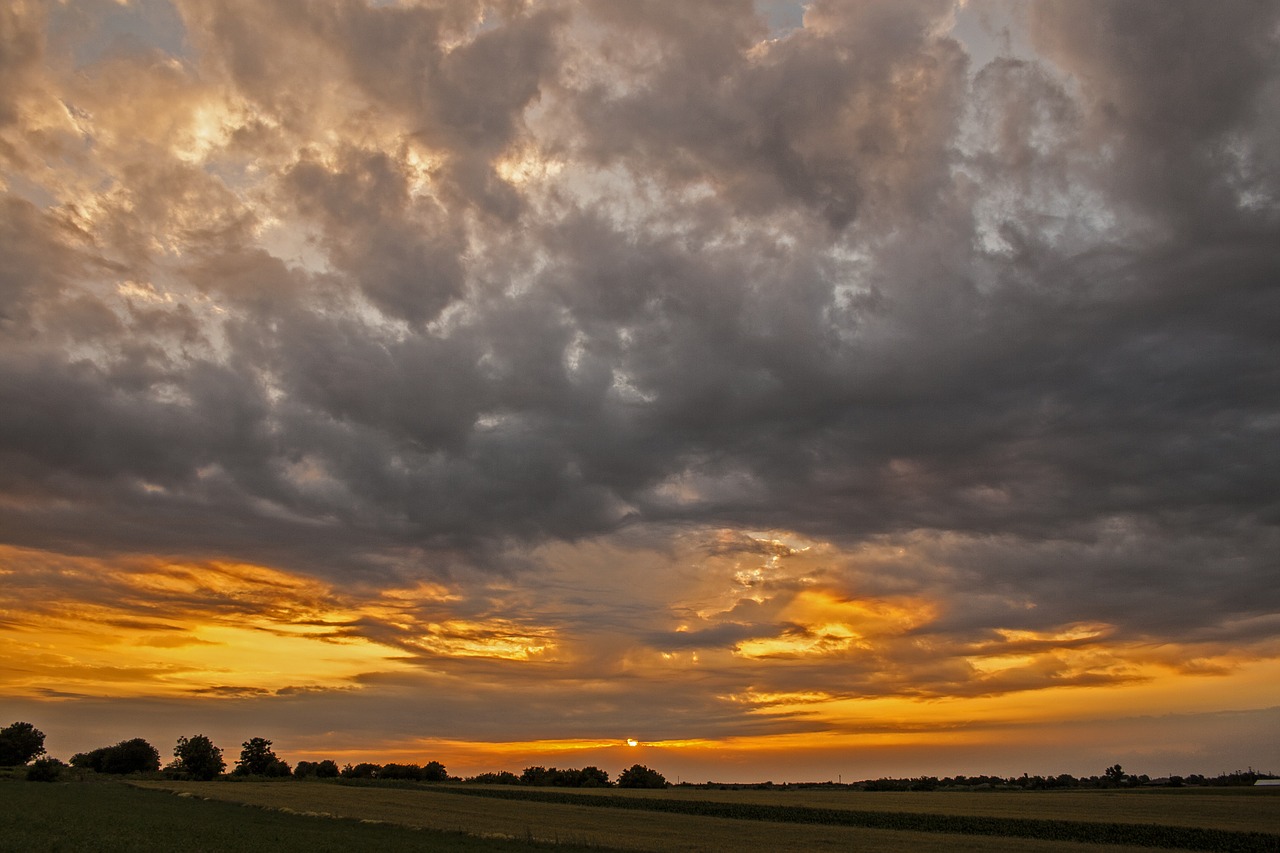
(783, 820)
(1239, 809)
(112, 817)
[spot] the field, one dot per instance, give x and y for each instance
(112, 817)
(642, 820)
(1240, 809)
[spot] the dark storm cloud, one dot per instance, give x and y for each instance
(855, 110)
(838, 283)
(407, 261)
(1188, 124)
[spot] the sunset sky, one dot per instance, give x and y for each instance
(802, 391)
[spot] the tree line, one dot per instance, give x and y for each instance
(198, 758)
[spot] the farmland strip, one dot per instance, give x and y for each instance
(1086, 832)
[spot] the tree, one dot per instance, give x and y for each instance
(326, 769)
(504, 777)
(363, 770)
(412, 772)
(257, 759)
(198, 758)
(19, 743)
(1116, 774)
(128, 756)
(639, 776)
(433, 771)
(594, 777)
(536, 775)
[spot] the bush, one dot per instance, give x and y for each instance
(363, 770)
(639, 776)
(45, 770)
(320, 769)
(505, 777)
(412, 772)
(128, 756)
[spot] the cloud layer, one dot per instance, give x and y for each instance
(665, 348)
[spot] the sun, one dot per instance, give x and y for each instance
(632, 742)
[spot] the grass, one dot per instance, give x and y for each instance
(112, 817)
(1238, 809)
(441, 807)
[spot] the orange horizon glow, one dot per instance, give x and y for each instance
(214, 631)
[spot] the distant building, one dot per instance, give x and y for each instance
(1270, 783)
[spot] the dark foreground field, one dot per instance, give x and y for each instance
(315, 816)
(114, 817)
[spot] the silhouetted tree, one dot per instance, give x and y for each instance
(535, 775)
(258, 759)
(320, 769)
(19, 743)
(433, 771)
(128, 756)
(412, 772)
(594, 777)
(639, 776)
(198, 758)
(504, 777)
(363, 770)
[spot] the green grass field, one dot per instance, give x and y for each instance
(472, 810)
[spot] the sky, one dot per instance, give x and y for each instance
(802, 391)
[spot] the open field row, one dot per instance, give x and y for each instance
(1088, 832)
(1240, 809)
(441, 807)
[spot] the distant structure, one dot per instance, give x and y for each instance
(1269, 783)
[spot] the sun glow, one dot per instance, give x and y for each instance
(156, 628)
(827, 624)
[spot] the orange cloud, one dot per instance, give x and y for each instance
(153, 627)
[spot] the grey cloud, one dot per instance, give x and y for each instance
(459, 91)
(823, 119)
(1174, 106)
(834, 286)
(405, 257)
(41, 260)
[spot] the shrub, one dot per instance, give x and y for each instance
(639, 776)
(45, 770)
(128, 756)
